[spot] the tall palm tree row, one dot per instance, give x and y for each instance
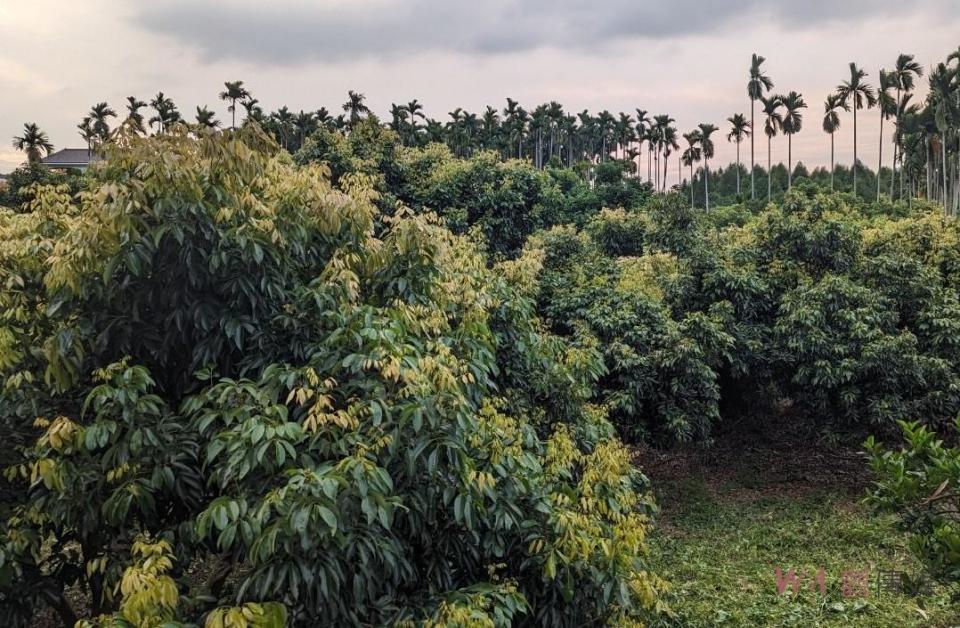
(355, 107)
(669, 144)
(233, 92)
(99, 116)
(34, 142)
(167, 113)
(284, 123)
(773, 124)
(643, 124)
(662, 134)
(134, 117)
(87, 133)
(857, 94)
(739, 129)
(925, 138)
(791, 123)
(757, 86)
(888, 107)
(831, 124)
(905, 72)
(206, 119)
(691, 155)
(707, 150)
(944, 104)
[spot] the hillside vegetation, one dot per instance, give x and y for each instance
(375, 384)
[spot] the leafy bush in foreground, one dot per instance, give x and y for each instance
(256, 401)
(920, 483)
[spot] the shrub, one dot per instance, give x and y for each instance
(250, 389)
(919, 482)
(369, 150)
(661, 374)
(848, 359)
(614, 189)
(17, 189)
(849, 319)
(843, 315)
(501, 199)
(617, 232)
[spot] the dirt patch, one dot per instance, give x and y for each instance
(746, 465)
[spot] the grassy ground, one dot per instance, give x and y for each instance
(734, 513)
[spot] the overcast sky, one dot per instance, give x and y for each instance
(688, 58)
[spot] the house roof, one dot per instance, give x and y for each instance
(71, 157)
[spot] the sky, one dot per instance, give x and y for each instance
(687, 58)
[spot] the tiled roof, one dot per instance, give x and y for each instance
(71, 157)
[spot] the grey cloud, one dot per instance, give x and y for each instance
(290, 31)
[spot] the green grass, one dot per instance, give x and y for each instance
(718, 542)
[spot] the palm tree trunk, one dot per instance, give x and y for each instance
(656, 156)
(943, 147)
(739, 167)
(753, 189)
(666, 164)
(854, 146)
(893, 174)
(769, 170)
(656, 173)
(901, 172)
(706, 183)
(955, 184)
(880, 163)
(832, 167)
(896, 150)
(639, 160)
(691, 184)
(789, 160)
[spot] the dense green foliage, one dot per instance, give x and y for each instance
(847, 313)
(506, 200)
(723, 182)
(378, 375)
(16, 190)
(255, 399)
(661, 367)
(842, 309)
(919, 482)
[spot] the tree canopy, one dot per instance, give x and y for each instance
(255, 397)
